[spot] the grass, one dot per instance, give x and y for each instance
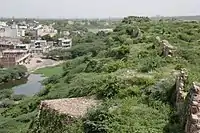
(49, 71)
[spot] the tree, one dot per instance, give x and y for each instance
(47, 38)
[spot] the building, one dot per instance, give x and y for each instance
(7, 31)
(7, 61)
(38, 46)
(14, 53)
(8, 43)
(14, 57)
(45, 30)
(64, 43)
(23, 46)
(105, 30)
(21, 32)
(3, 23)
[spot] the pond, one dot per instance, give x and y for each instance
(31, 86)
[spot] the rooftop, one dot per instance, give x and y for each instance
(64, 39)
(76, 107)
(14, 51)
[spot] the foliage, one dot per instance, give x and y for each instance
(13, 73)
(49, 71)
(125, 70)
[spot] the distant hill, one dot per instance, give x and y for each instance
(197, 17)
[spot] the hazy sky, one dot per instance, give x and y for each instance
(97, 8)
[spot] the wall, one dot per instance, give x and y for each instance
(8, 61)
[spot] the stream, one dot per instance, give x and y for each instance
(26, 86)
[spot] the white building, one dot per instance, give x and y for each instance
(65, 43)
(38, 46)
(3, 23)
(6, 31)
(45, 30)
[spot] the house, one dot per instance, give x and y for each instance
(64, 43)
(38, 46)
(6, 31)
(23, 46)
(14, 57)
(45, 30)
(8, 43)
(14, 52)
(105, 30)
(3, 23)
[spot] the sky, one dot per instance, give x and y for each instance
(97, 8)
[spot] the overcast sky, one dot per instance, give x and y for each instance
(97, 8)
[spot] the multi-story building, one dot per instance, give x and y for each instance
(14, 57)
(8, 43)
(6, 31)
(38, 46)
(23, 46)
(65, 43)
(45, 30)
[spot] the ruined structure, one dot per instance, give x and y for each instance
(74, 107)
(193, 110)
(166, 47)
(180, 94)
(55, 115)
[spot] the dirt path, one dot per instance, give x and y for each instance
(34, 65)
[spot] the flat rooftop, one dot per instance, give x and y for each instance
(14, 51)
(75, 107)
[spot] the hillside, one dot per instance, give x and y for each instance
(132, 71)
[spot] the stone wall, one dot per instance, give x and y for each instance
(180, 94)
(193, 110)
(188, 103)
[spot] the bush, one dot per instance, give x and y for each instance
(17, 97)
(7, 103)
(51, 80)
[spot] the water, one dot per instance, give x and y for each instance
(30, 87)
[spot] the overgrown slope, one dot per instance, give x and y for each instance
(126, 69)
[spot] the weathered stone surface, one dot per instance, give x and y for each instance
(167, 48)
(180, 94)
(75, 107)
(193, 112)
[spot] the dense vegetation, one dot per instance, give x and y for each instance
(13, 73)
(125, 69)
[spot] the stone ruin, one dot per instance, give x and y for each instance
(193, 110)
(188, 104)
(180, 94)
(74, 107)
(166, 47)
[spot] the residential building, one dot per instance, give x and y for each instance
(38, 46)
(14, 57)
(6, 31)
(3, 23)
(23, 46)
(8, 43)
(45, 30)
(14, 52)
(64, 43)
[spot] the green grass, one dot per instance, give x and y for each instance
(49, 71)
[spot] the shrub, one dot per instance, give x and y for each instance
(18, 97)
